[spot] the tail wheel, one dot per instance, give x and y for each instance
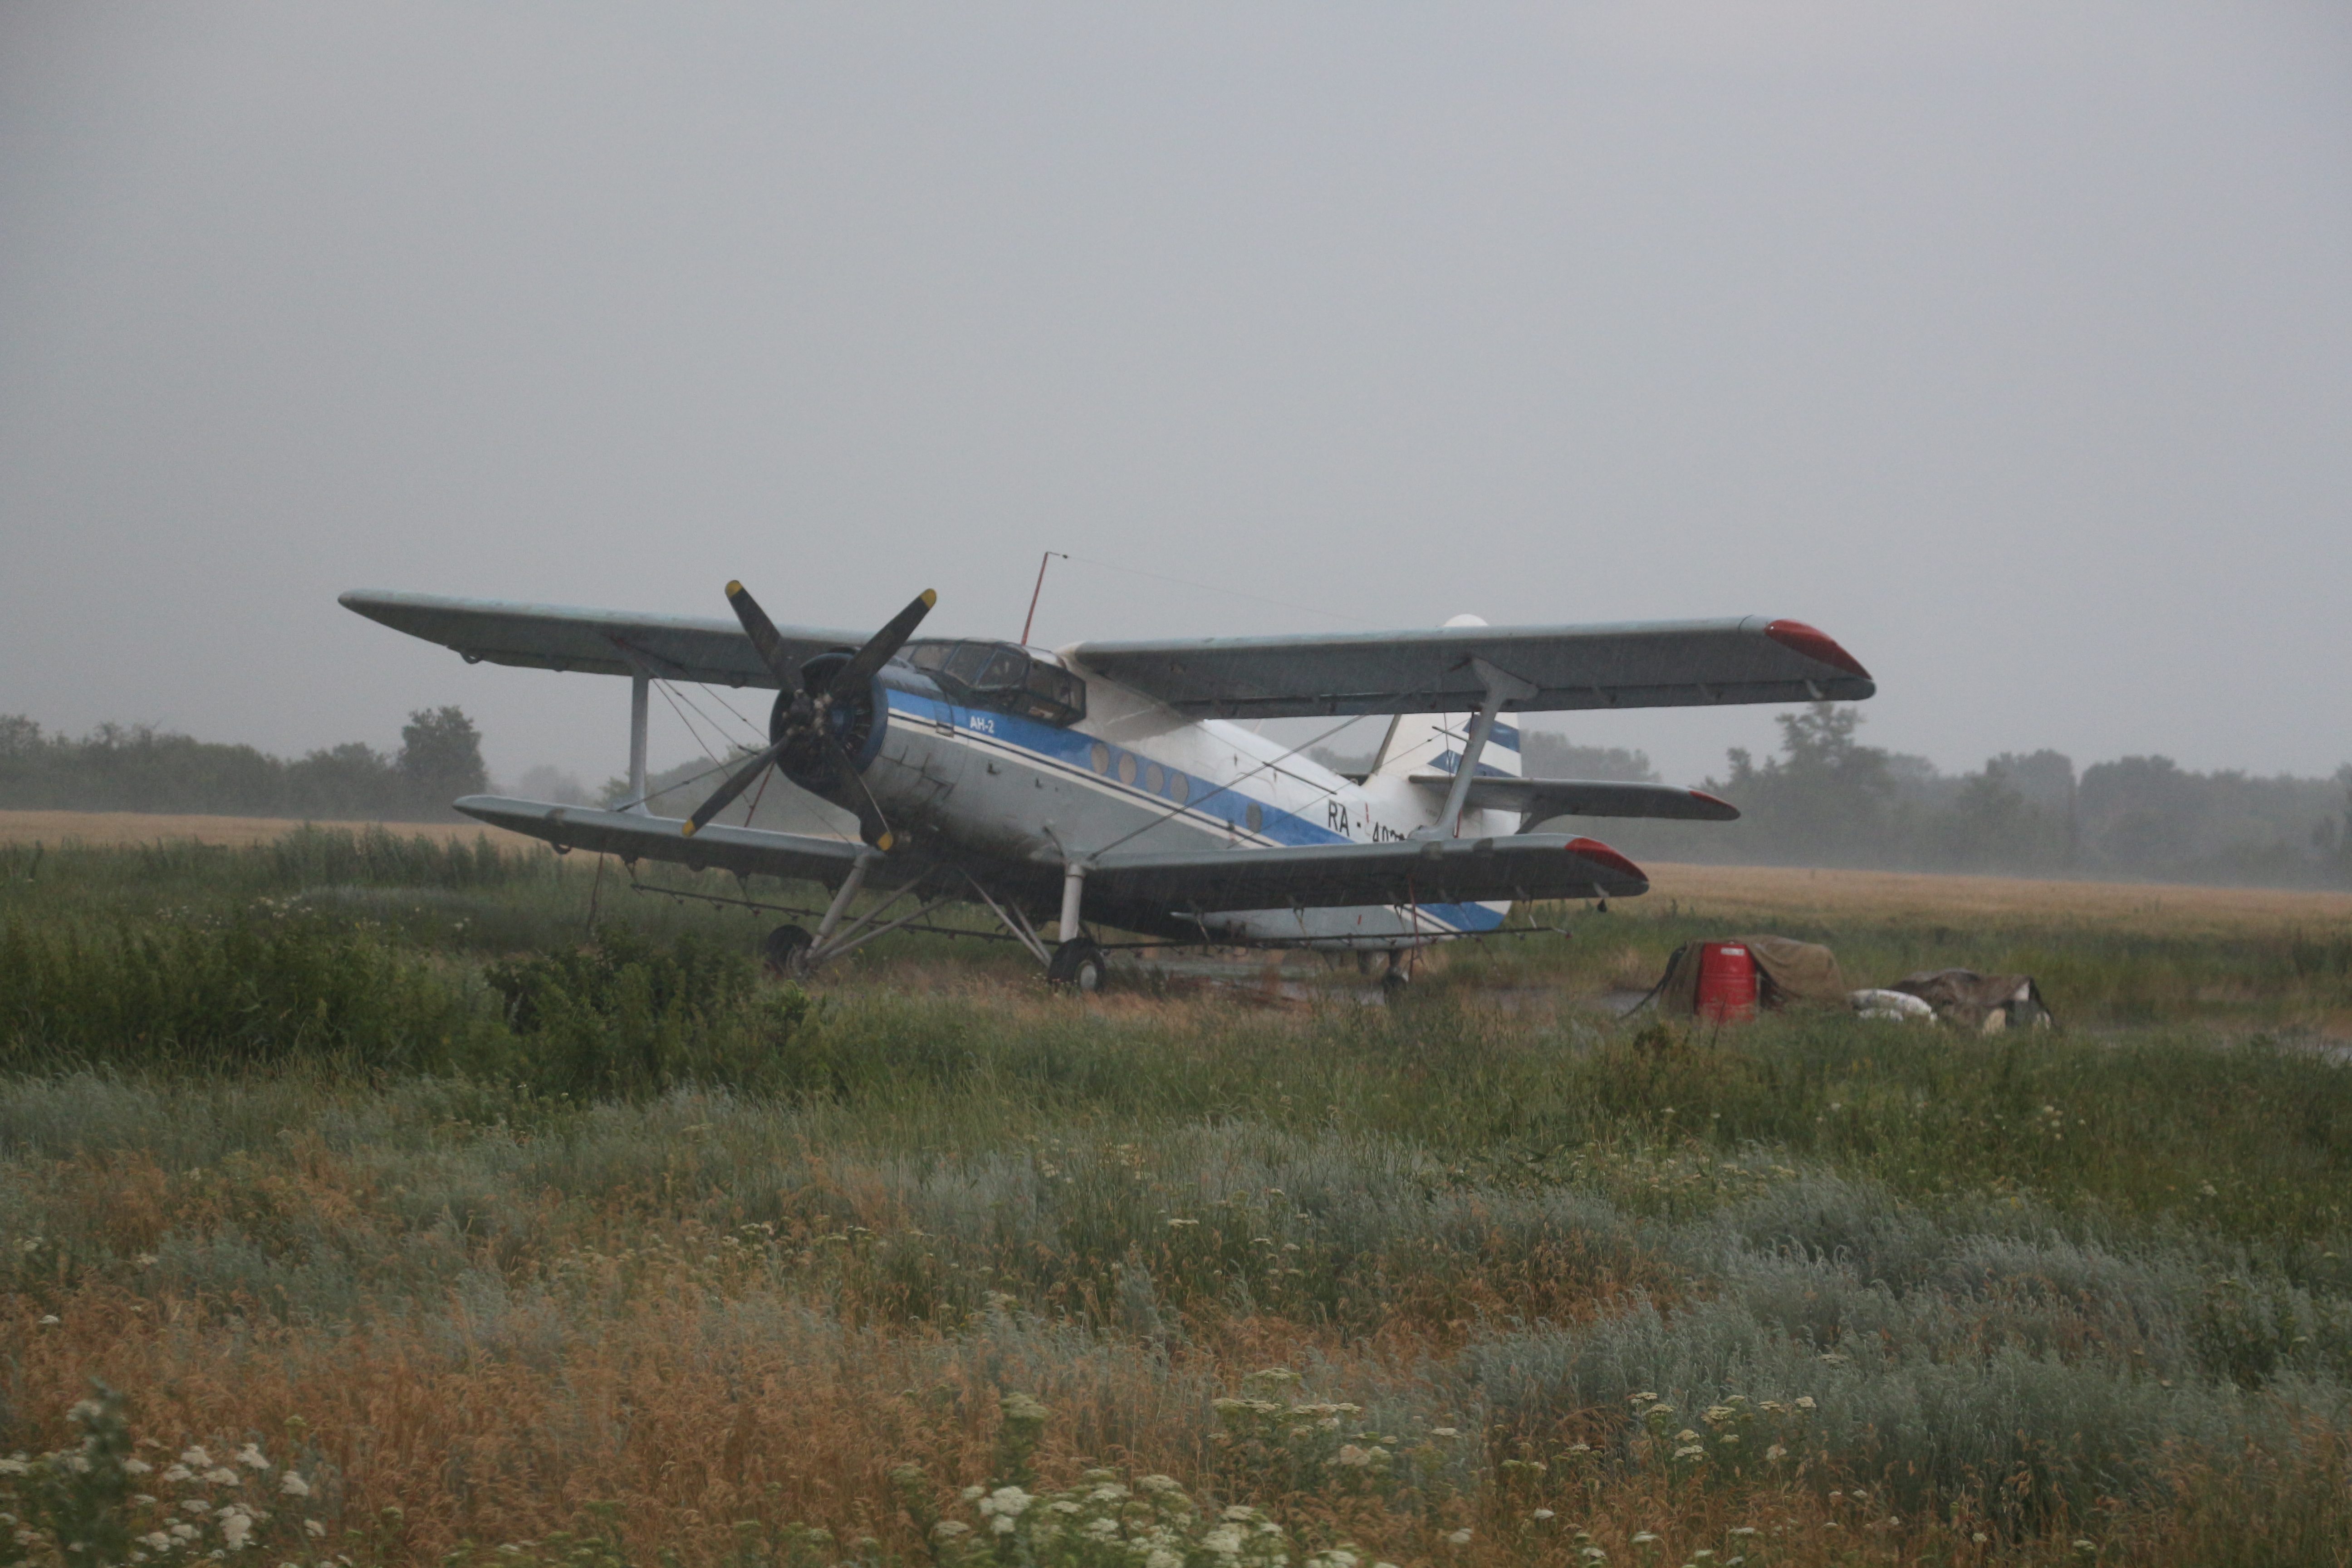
(785, 951)
(1077, 965)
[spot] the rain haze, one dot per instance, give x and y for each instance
(2009, 343)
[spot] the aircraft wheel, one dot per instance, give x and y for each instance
(1077, 965)
(785, 951)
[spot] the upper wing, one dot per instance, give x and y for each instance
(747, 851)
(1541, 798)
(1413, 871)
(602, 642)
(1654, 663)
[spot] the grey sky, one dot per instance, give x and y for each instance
(2010, 343)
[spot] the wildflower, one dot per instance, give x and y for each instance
(1542, 1513)
(1354, 1457)
(1161, 1557)
(1065, 1505)
(137, 1466)
(313, 1527)
(179, 1473)
(2084, 1546)
(1776, 1452)
(1225, 1540)
(1645, 1399)
(1643, 1538)
(221, 1475)
(974, 1494)
(250, 1456)
(1158, 1486)
(234, 1528)
(1804, 1402)
(196, 1458)
(293, 1485)
(195, 1505)
(146, 1261)
(1691, 1451)
(948, 1529)
(1580, 1447)
(1980, 1538)
(157, 1539)
(49, 1320)
(13, 1467)
(1103, 1527)
(1459, 1538)
(1444, 1431)
(1743, 1530)
(183, 1529)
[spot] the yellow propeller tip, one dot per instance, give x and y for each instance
(686, 832)
(930, 598)
(733, 588)
(883, 843)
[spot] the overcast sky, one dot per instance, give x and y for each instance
(2008, 343)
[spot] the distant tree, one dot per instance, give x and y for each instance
(1825, 798)
(1557, 757)
(441, 756)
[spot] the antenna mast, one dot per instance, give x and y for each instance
(1034, 592)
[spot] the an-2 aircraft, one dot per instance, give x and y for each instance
(1113, 782)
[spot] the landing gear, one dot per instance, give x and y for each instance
(785, 953)
(1077, 965)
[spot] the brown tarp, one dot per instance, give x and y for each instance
(1965, 997)
(1787, 971)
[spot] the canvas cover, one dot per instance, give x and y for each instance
(1787, 971)
(1975, 1001)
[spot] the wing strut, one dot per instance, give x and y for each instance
(1502, 687)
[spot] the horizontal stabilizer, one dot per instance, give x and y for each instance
(1336, 876)
(1540, 799)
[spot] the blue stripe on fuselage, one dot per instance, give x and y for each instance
(1222, 803)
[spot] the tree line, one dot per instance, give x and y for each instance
(1826, 799)
(144, 769)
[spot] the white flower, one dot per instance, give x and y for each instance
(1353, 1456)
(948, 1529)
(196, 1458)
(1444, 1431)
(1804, 1402)
(195, 1505)
(1239, 1513)
(1159, 1485)
(234, 1528)
(1543, 1513)
(183, 1529)
(250, 1456)
(136, 1466)
(1004, 1524)
(1225, 1540)
(48, 1319)
(15, 1468)
(974, 1494)
(1776, 1452)
(179, 1473)
(1103, 1527)
(158, 1540)
(1163, 1558)
(221, 1475)
(1459, 1538)
(1066, 1506)
(1691, 1451)
(293, 1485)
(1006, 1503)
(1642, 1538)
(313, 1527)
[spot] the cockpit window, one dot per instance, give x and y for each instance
(1004, 676)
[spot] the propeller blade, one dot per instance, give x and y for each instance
(877, 653)
(766, 638)
(884, 838)
(737, 783)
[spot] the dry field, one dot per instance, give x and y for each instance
(1743, 892)
(110, 827)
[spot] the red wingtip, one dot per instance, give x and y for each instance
(1815, 644)
(1599, 854)
(1715, 800)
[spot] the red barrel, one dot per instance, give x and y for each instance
(1727, 982)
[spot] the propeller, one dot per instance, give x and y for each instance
(809, 716)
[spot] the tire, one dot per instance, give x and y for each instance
(785, 951)
(1077, 966)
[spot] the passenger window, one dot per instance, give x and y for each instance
(1101, 757)
(1180, 789)
(1256, 818)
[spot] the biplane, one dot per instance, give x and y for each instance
(1120, 785)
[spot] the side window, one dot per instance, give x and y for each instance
(964, 663)
(1004, 671)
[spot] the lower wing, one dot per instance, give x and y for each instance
(1520, 867)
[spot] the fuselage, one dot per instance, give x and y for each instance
(975, 782)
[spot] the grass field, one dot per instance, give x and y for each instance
(353, 1157)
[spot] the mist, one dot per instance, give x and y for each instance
(2011, 344)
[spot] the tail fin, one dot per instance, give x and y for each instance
(1432, 742)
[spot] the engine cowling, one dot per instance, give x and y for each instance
(858, 719)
